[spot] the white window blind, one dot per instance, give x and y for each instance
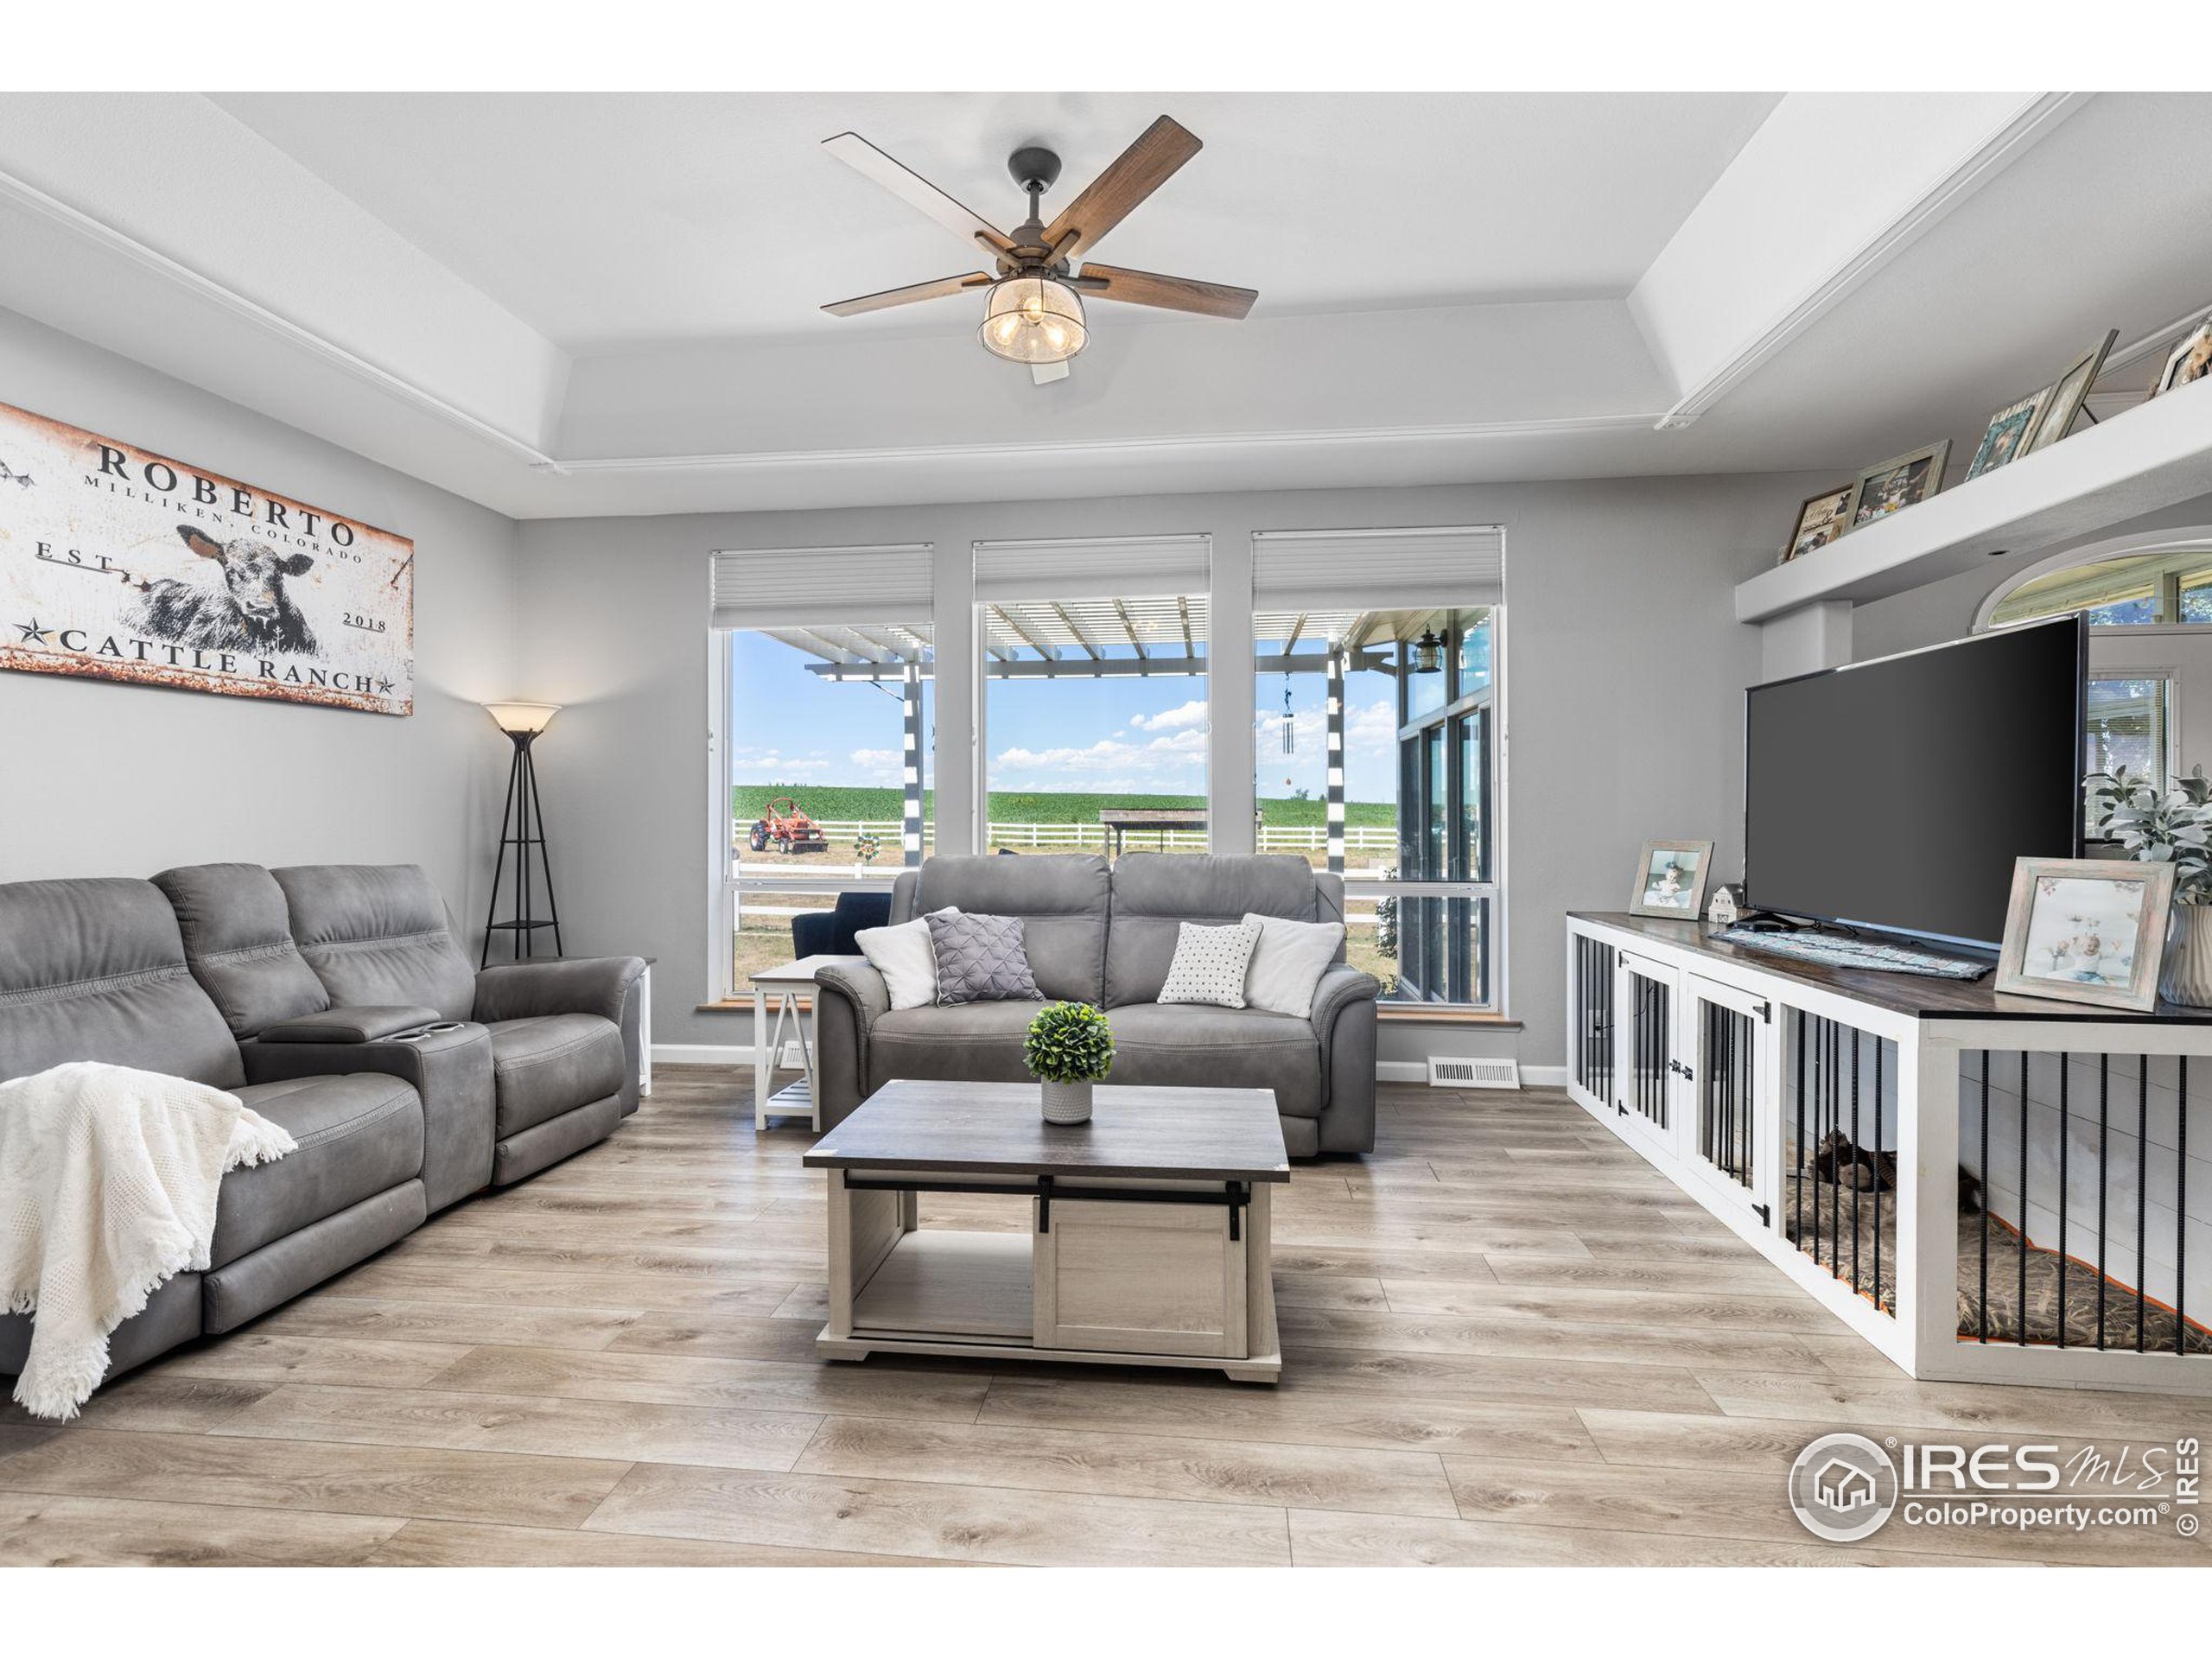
(801, 587)
(1378, 570)
(1119, 566)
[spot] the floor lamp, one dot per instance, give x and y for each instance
(522, 826)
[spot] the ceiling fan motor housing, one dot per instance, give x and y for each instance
(1035, 168)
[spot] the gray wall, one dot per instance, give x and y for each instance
(104, 778)
(1625, 675)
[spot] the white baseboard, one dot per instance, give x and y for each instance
(718, 1054)
(1402, 1070)
(1543, 1077)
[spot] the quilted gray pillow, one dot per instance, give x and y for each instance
(980, 959)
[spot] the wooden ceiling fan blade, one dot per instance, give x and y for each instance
(1129, 178)
(884, 301)
(916, 191)
(1169, 293)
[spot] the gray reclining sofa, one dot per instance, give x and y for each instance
(1105, 935)
(334, 1001)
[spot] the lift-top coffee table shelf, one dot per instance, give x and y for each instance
(1147, 1241)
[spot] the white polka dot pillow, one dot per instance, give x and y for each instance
(1210, 965)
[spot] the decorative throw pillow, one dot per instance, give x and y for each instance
(980, 959)
(1288, 963)
(903, 957)
(1210, 965)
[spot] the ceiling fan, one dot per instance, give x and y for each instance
(1034, 312)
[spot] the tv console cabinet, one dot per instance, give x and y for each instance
(1730, 1070)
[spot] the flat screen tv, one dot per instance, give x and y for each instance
(1895, 794)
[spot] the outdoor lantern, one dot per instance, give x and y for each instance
(1033, 320)
(1428, 653)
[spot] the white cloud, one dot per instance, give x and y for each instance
(1185, 714)
(877, 766)
(746, 764)
(1172, 764)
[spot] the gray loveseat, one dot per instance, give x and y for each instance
(1105, 935)
(334, 1001)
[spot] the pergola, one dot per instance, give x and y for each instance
(1114, 639)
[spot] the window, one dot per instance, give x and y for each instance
(1095, 708)
(1376, 745)
(2129, 725)
(826, 735)
(2169, 588)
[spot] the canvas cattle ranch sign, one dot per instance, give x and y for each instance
(124, 565)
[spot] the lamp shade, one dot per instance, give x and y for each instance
(1033, 320)
(515, 717)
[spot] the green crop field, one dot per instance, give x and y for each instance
(837, 803)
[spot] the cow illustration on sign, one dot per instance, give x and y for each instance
(248, 610)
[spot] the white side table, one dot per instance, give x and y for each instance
(786, 983)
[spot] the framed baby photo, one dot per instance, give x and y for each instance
(2190, 360)
(2087, 929)
(1670, 879)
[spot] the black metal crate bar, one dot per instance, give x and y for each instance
(1840, 1124)
(2078, 1166)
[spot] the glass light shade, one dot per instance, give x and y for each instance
(1428, 653)
(1033, 320)
(532, 718)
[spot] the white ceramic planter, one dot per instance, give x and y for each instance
(2185, 975)
(1064, 1102)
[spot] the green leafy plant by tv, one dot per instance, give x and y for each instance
(1069, 1042)
(2172, 826)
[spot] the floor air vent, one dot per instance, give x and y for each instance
(1473, 1074)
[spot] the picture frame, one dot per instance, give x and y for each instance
(2070, 393)
(1671, 877)
(1902, 482)
(2011, 432)
(1819, 521)
(2087, 929)
(2190, 360)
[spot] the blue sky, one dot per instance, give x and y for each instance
(1143, 735)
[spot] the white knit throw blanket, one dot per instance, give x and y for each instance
(108, 1183)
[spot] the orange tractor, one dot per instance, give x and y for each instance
(787, 830)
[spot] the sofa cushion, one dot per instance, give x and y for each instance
(906, 958)
(1190, 1046)
(378, 935)
(358, 1136)
(1062, 898)
(94, 970)
(980, 959)
(1210, 964)
(238, 939)
(1154, 893)
(974, 1042)
(1288, 962)
(551, 1063)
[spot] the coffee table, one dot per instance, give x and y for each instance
(1147, 1240)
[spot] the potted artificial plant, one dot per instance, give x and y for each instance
(1069, 1046)
(2170, 827)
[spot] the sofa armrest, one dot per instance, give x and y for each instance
(349, 1025)
(523, 991)
(848, 999)
(450, 1069)
(1338, 988)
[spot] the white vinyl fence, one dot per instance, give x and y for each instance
(1089, 837)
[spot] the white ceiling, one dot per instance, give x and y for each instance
(591, 304)
(606, 219)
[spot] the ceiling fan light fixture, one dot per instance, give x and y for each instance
(1033, 320)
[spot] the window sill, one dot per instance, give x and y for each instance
(1415, 1013)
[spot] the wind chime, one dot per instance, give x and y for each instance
(1289, 725)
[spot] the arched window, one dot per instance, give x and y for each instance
(2171, 586)
(2148, 600)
